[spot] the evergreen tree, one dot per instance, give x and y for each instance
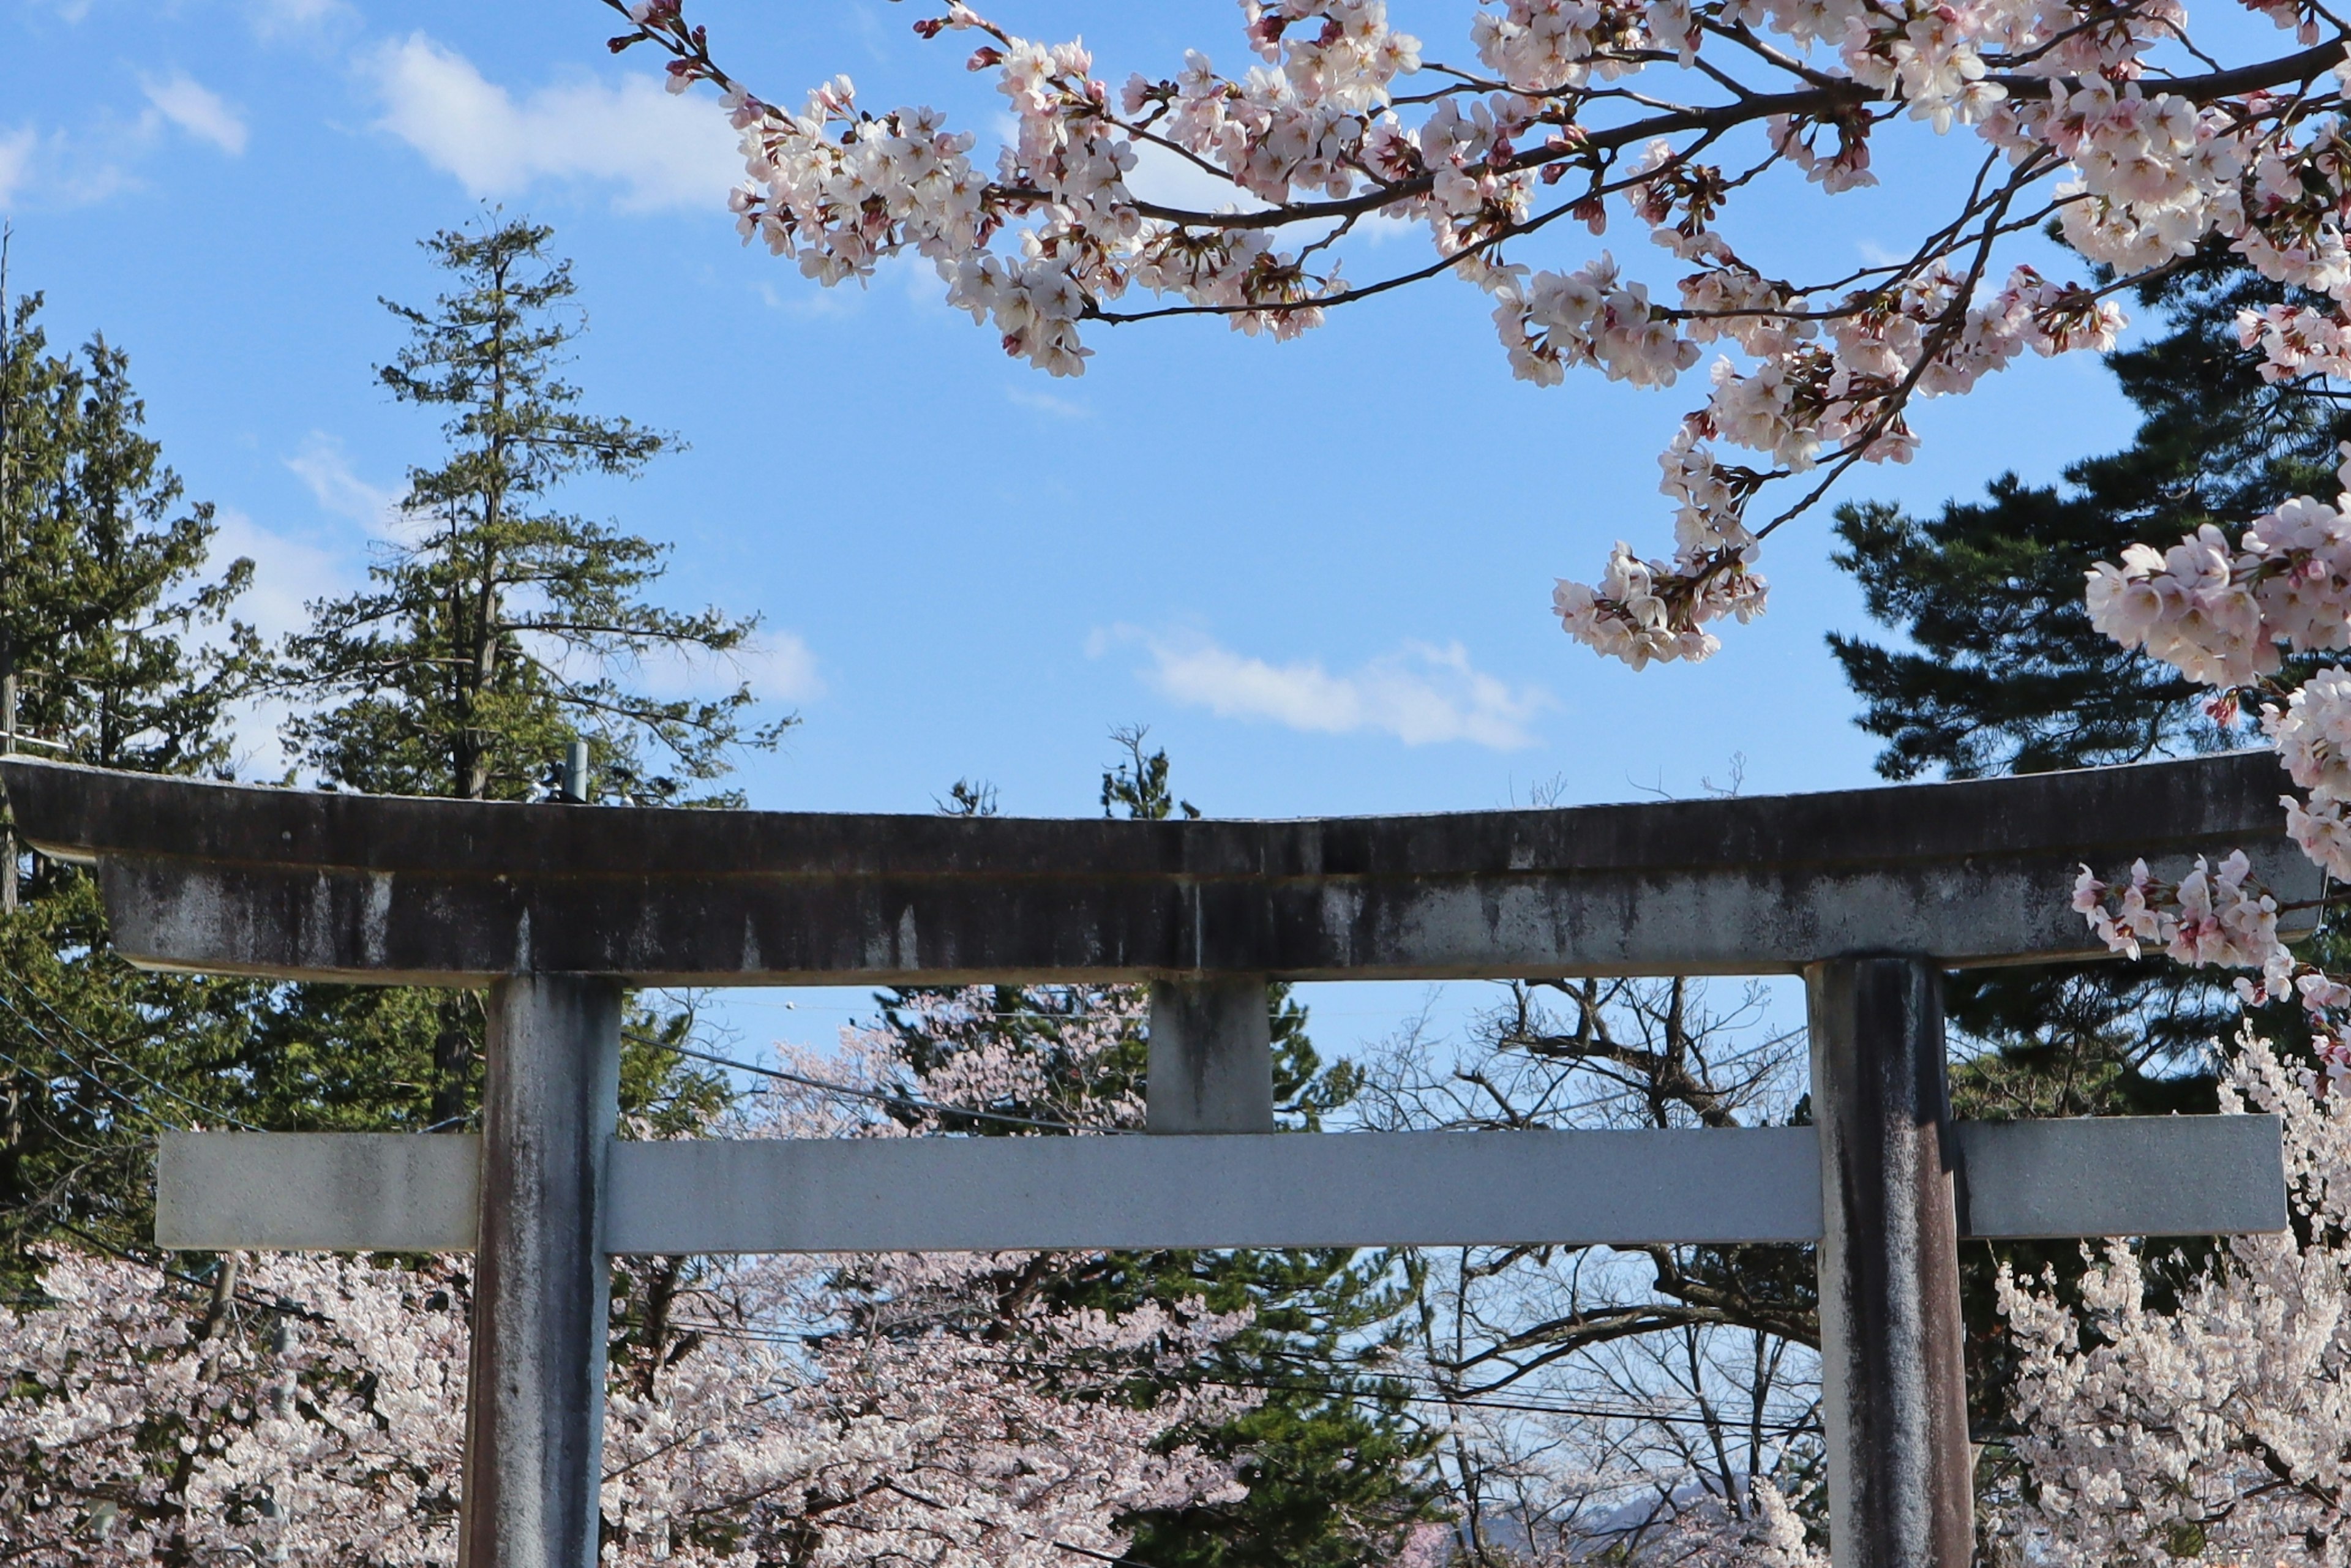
(120, 639)
(1332, 1463)
(2003, 674)
(497, 629)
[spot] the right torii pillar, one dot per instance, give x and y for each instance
(1894, 1390)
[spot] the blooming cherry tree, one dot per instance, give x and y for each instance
(810, 1410)
(2219, 1430)
(2114, 119)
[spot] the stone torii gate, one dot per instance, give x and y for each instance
(1868, 893)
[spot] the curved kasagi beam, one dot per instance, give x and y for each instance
(234, 879)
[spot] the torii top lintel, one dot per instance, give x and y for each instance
(234, 879)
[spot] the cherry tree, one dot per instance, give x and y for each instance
(816, 1410)
(2221, 1429)
(1698, 123)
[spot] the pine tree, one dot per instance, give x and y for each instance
(2003, 674)
(120, 638)
(499, 629)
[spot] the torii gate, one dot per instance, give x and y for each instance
(1868, 893)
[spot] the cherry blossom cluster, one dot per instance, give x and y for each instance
(2227, 618)
(2223, 616)
(1669, 114)
(323, 1421)
(1773, 1538)
(1644, 610)
(320, 1417)
(2212, 916)
(2213, 1430)
(2221, 916)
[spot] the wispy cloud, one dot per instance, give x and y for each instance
(273, 19)
(661, 151)
(52, 169)
(1046, 403)
(321, 464)
(57, 167)
(15, 161)
(288, 572)
(777, 666)
(1422, 694)
(196, 108)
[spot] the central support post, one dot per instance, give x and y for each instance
(535, 1395)
(1211, 1062)
(1894, 1382)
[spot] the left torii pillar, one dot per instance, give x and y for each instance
(535, 1395)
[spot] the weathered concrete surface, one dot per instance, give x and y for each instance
(318, 1192)
(1893, 1376)
(1357, 1190)
(234, 879)
(535, 1389)
(2135, 1175)
(1211, 1064)
(2121, 1176)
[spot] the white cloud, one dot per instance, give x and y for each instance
(661, 151)
(322, 465)
(15, 161)
(197, 109)
(1172, 180)
(1046, 403)
(777, 665)
(1421, 694)
(288, 572)
(278, 18)
(55, 170)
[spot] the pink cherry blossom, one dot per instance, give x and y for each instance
(2115, 121)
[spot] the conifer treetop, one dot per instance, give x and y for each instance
(498, 626)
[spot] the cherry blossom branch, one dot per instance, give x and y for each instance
(1316, 138)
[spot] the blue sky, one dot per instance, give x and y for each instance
(1320, 572)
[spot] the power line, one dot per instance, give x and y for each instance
(88, 1073)
(99, 1046)
(903, 1101)
(1590, 1410)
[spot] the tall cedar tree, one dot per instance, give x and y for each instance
(2003, 674)
(498, 628)
(495, 629)
(1331, 1460)
(127, 658)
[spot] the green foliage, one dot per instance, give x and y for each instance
(2004, 672)
(495, 632)
(497, 629)
(124, 653)
(103, 601)
(95, 1059)
(459, 673)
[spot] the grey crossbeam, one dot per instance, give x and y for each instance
(2121, 1176)
(234, 879)
(353, 1192)
(318, 1192)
